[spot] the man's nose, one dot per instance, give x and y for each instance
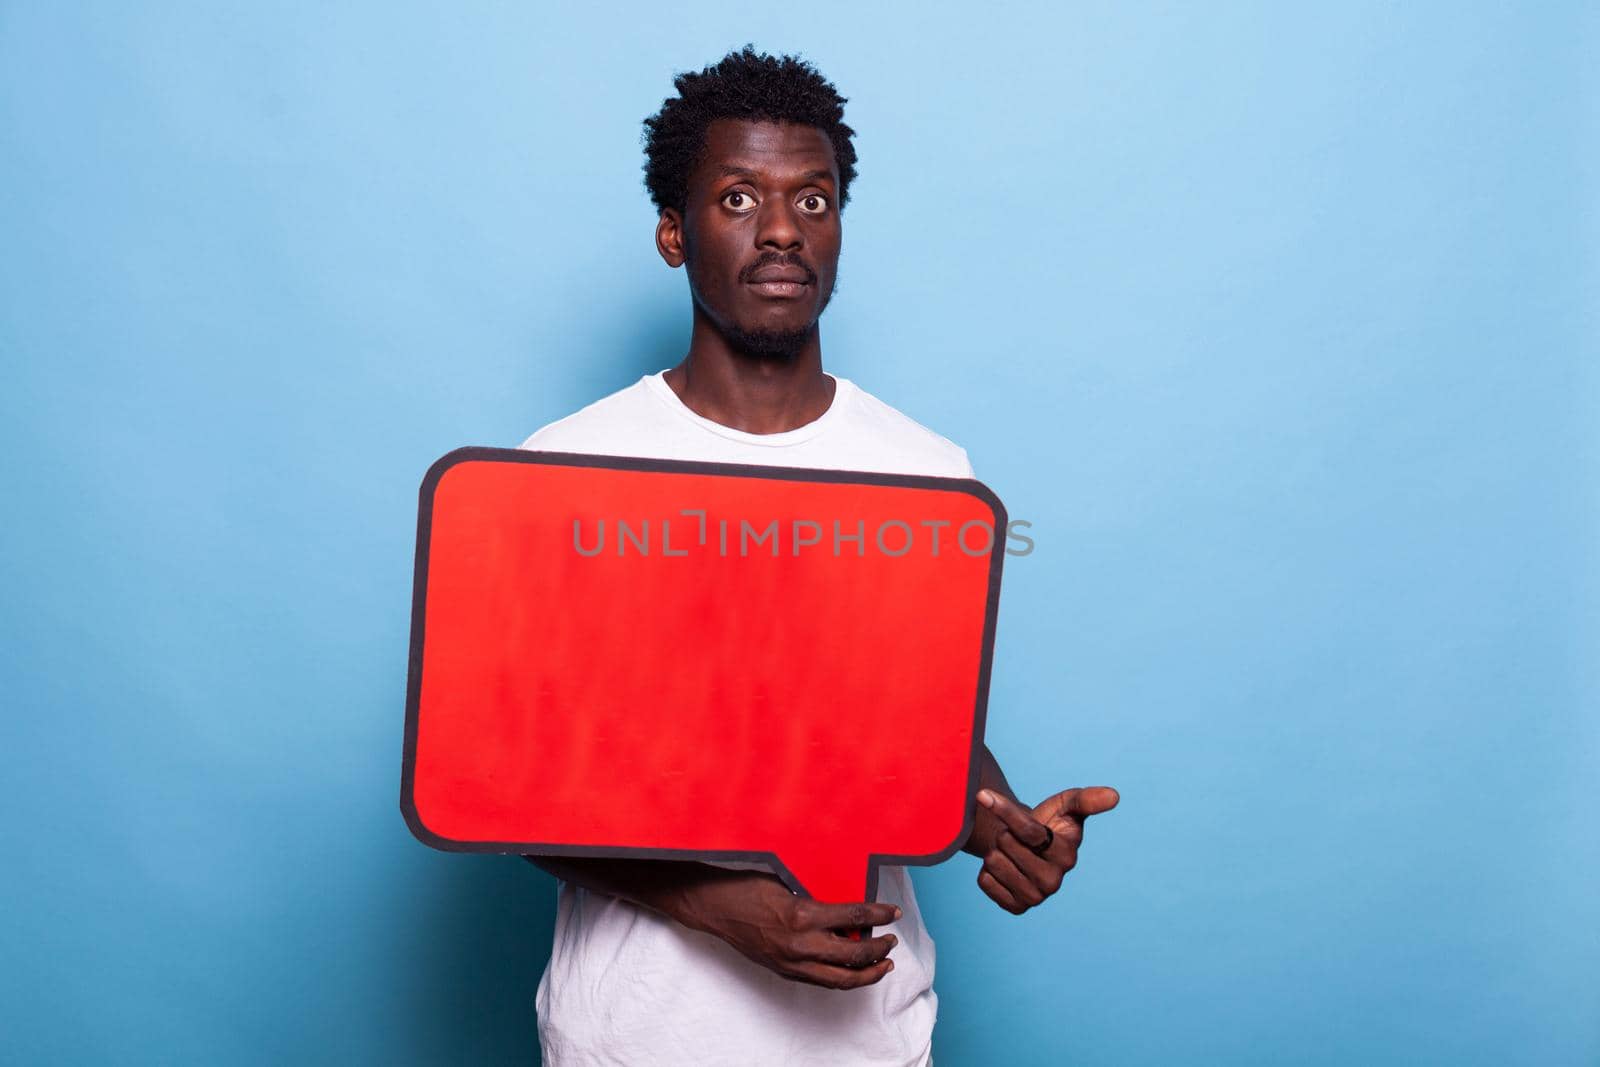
(777, 227)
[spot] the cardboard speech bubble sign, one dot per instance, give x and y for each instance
(627, 657)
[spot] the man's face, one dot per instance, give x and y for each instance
(760, 234)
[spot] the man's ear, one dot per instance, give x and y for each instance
(669, 237)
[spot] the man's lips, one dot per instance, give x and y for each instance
(784, 290)
(780, 281)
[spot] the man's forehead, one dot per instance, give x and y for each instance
(763, 147)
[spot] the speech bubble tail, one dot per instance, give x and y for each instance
(831, 879)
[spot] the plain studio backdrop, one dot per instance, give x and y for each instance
(1278, 326)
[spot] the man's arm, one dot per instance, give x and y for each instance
(1027, 851)
(797, 938)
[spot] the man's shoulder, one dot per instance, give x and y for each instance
(890, 423)
(592, 424)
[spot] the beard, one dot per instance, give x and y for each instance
(769, 345)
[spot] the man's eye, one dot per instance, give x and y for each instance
(813, 203)
(739, 201)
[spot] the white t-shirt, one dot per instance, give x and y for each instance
(627, 987)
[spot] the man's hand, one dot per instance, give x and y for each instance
(1019, 872)
(799, 939)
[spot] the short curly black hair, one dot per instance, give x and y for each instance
(743, 84)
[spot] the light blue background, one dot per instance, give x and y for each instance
(1279, 326)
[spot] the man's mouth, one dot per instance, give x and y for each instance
(780, 281)
(781, 290)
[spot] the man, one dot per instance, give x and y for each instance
(669, 963)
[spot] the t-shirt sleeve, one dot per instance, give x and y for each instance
(535, 441)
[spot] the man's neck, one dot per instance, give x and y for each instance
(754, 395)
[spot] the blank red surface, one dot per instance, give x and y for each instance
(817, 707)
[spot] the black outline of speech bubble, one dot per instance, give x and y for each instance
(430, 483)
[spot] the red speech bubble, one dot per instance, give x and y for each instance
(663, 659)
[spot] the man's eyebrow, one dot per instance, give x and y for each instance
(727, 170)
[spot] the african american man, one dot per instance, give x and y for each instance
(665, 962)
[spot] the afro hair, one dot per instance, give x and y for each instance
(743, 84)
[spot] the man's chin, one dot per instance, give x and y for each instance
(770, 344)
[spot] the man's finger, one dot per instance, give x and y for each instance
(999, 893)
(1019, 885)
(1043, 871)
(1018, 819)
(829, 948)
(1090, 800)
(819, 916)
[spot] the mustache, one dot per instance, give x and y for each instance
(778, 259)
